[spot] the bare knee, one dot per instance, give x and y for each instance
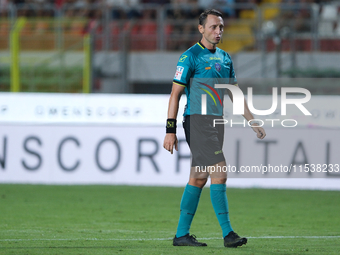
(198, 182)
(218, 180)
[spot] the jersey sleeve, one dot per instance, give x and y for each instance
(232, 77)
(184, 70)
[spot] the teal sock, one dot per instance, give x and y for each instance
(189, 203)
(219, 201)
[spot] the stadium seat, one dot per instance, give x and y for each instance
(270, 13)
(76, 27)
(237, 36)
(28, 28)
(131, 26)
(4, 27)
(4, 34)
(42, 26)
(115, 28)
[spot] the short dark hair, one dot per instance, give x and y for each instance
(203, 17)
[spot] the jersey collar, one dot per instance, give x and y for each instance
(203, 47)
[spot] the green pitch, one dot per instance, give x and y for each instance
(38, 219)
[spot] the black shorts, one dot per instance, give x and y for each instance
(205, 140)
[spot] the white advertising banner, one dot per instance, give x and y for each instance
(135, 156)
(118, 139)
(115, 109)
(125, 109)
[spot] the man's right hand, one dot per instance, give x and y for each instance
(169, 141)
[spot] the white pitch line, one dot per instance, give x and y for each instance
(166, 239)
(278, 237)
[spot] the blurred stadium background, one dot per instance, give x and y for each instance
(110, 46)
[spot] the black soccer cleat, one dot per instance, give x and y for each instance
(187, 240)
(234, 240)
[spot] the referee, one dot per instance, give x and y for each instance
(198, 70)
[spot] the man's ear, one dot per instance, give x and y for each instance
(201, 29)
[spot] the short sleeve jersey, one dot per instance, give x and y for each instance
(198, 70)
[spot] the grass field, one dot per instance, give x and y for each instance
(38, 219)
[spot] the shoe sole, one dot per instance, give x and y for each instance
(176, 244)
(238, 243)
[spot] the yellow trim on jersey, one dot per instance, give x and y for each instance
(179, 84)
(200, 46)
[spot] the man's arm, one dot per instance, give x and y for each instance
(170, 138)
(249, 116)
